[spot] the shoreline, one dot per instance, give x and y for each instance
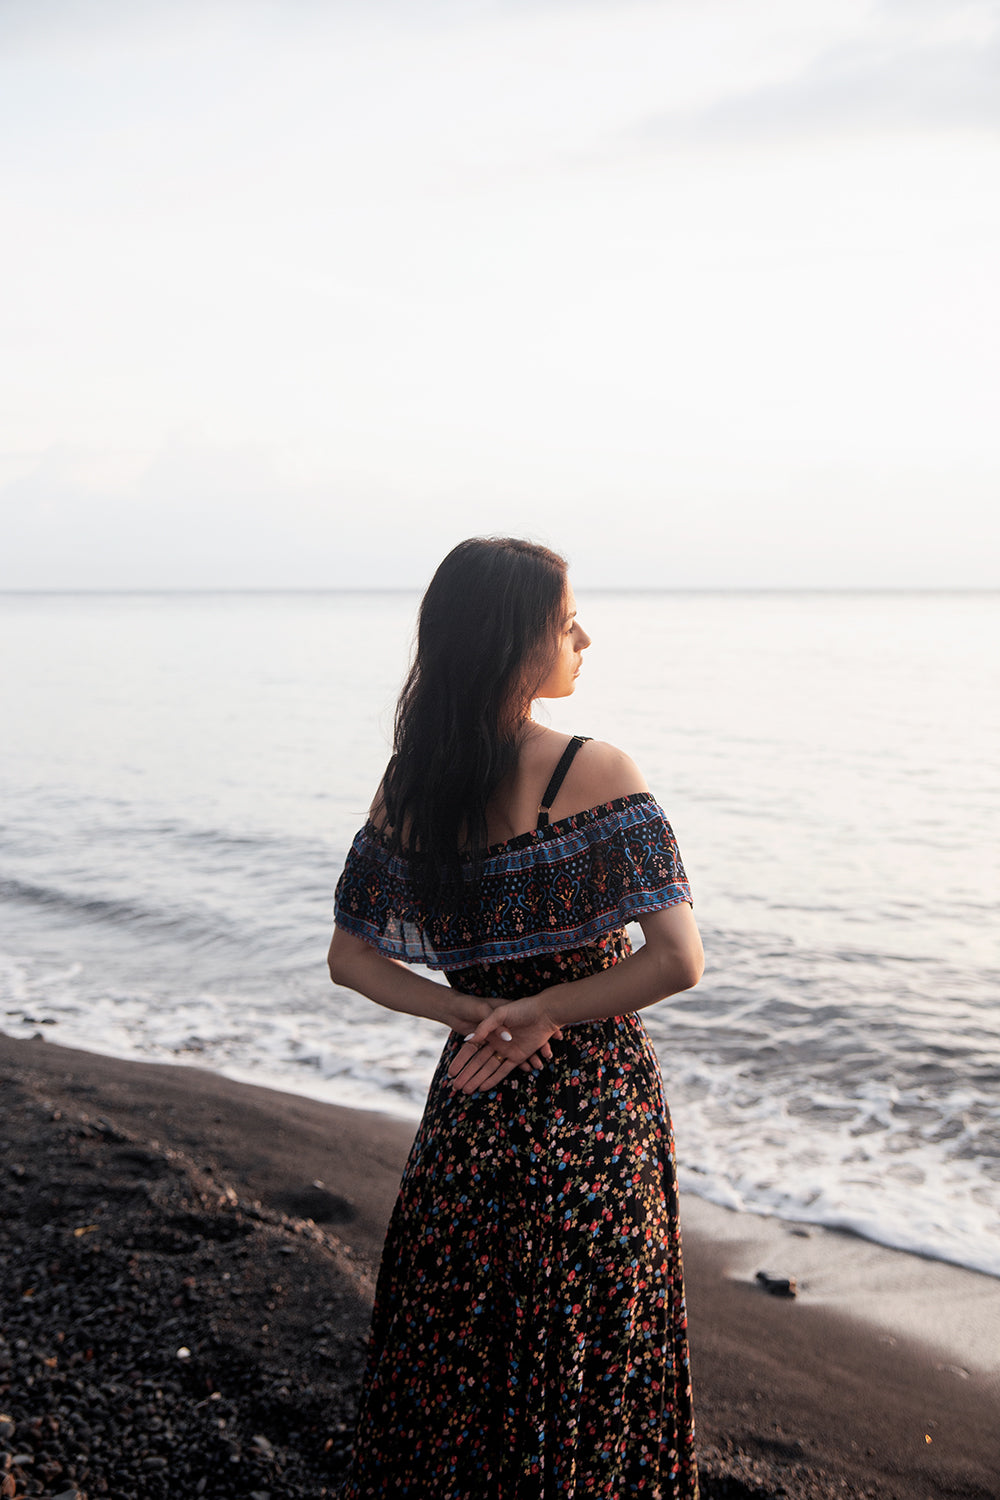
(881, 1379)
(717, 1218)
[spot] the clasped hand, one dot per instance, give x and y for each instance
(515, 1035)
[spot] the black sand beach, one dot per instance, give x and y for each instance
(187, 1275)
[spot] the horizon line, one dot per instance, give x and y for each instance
(740, 588)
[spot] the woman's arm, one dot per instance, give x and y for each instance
(671, 960)
(357, 966)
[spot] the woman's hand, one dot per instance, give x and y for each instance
(515, 1035)
(463, 1012)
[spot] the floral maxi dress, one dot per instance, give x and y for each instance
(529, 1331)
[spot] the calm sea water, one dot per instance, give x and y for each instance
(181, 776)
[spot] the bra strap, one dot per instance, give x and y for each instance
(558, 777)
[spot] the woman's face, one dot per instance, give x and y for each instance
(563, 669)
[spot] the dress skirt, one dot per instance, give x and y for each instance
(529, 1336)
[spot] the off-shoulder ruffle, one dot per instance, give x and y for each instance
(544, 891)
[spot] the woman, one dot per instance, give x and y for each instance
(528, 1337)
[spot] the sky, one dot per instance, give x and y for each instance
(298, 293)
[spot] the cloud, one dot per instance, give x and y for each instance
(878, 85)
(191, 515)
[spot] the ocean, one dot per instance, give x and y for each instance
(181, 776)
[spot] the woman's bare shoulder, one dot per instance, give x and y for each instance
(601, 773)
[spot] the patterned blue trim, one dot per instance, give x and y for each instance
(415, 952)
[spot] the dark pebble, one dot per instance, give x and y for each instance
(778, 1286)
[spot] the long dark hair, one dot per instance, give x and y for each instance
(486, 632)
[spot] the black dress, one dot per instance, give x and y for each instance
(529, 1332)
